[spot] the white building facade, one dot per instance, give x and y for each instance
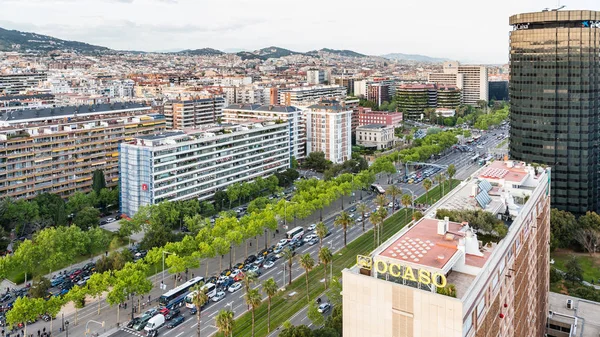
(329, 130)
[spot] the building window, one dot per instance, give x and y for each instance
(468, 324)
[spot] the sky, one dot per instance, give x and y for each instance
(471, 31)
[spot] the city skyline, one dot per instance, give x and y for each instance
(159, 25)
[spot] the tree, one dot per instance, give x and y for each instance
(98, 284)
(253, 299)
(25, 310)
(307, 263)
(27, 256)
(451, 172)
(199, 298)
(233, 192)
(589, 238)
(98, 181)
(77, 296)
(335, 292)
(87, 218)
(314, 315)
(407, 200)
(270, 289)
(224, 321)
(590, 220)
(427, 185)
(381, 201)
(288, 255)
(574, 272)
(440, 180)
(345, 221)
(316, 161)
(326, 257)
(321, 231)
(563, 225)
(393, 192)
(51, 209)
(39, 287)
(363, 209)
(296, 331)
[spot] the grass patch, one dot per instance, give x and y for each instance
(502, 143)
(18, 277)
(589, 264)
(436, 193)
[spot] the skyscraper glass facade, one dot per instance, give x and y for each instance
(554, 96)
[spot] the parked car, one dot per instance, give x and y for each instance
(239, 277)
(218, 296)
(238, 266)
(324, 307)
(57, 281)
(83, 281)
(269, 264)
(250, 259)
(133, 322)
(175, 322)
(141, 323)
(164, 311)
(234, 287)
(109, 220)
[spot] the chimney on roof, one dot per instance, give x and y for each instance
(442, 226)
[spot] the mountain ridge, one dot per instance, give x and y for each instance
(14, 40)
(413, 57)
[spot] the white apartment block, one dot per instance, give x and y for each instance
(329, 130)
(234, 81)
(316, 76)
(238, 113)
(471, 79)
(182, 114)
(13, 84)
(303, 96)
(183, 165)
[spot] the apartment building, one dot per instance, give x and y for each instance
(20, 102)
(471, 79)
(14, 84)
(448, 96)
(237, 113)
(304, 96)
(56, 150)
(378, 93)
(316, 76)
(329, 130)
(436, 278)
(413, 99)
(196, 163)
(377, 136)
(182, 114)
(367, 116)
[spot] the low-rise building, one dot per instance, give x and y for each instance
(570, 316)
(196, 163)
(380, 117)
(377, 136)
(56, 150)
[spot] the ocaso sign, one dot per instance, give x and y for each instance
(404, 272)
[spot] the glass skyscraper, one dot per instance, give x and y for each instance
(554, 96)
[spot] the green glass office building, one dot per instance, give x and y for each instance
(554, 95)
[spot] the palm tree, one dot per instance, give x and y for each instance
(270, 288)
(451, 172)
(225, 322)
(321, 231)
(199, 299)
(440, 179)
(345, 221)
(407, 201)
(362, 208)
(381, 201)
(308, 263)
(427, 185)
(374, 218)
(248, 279)
(288, 254)
(326, 257)
(253, 300)
(393, 192)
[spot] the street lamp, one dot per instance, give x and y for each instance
(163, 264)
(67, 326)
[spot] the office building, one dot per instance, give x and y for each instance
(375, 136)
(305, 96)
(316, 76)
(345, 81)
(498, 91)
(413, 99)
(14, 84)
(570, 316)
(183, 114)
(196, 163)
(329, 130)
(448, 96)
(555, 101)
(471, 79)
(436, 278)
(56, 150)
(237, 113)
(367, 116)
(378, 93)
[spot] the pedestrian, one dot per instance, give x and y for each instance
(192, 275)
(106, 253)
(149, 297)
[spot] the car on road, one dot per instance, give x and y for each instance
(234, 287)
(238, 265)
(175, 322)
(313, 241)
(278, 250)
(269, 264)
(226, 272)
(324, 307)
(57, 281)
(218, 296)
(358, 218)
(141, 323)
(239, 277)
(235, 273)
(255, 270)
(83, 281)
(308, 238)
(250, 259)
(109, 220)
(352, 210)
(172, 314)
(226, 283)
(282, 242)
(193, 310)
(133, 322)
(259, 260)
(311, 228)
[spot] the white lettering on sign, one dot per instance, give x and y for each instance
(521, 26)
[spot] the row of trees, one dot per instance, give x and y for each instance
(567, 231)
(485, 121)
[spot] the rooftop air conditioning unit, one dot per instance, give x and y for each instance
(569, 304)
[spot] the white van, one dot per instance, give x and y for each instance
(155, 322)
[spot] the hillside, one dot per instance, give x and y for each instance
(413, 57)
(14, 40)
(201, 52)
(344, 52)
(266, 53)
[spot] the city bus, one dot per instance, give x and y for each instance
(297, 232)
(377, 188)
(210, 289)
(176, 296)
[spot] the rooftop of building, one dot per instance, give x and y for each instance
(416, 86)
(374, 126)
(188, 99)
(259, 107)
(25, 97)
(383, 113)
(451, 248)
(312, 87)
(32, 115)
(583, 317)
(554, 16)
